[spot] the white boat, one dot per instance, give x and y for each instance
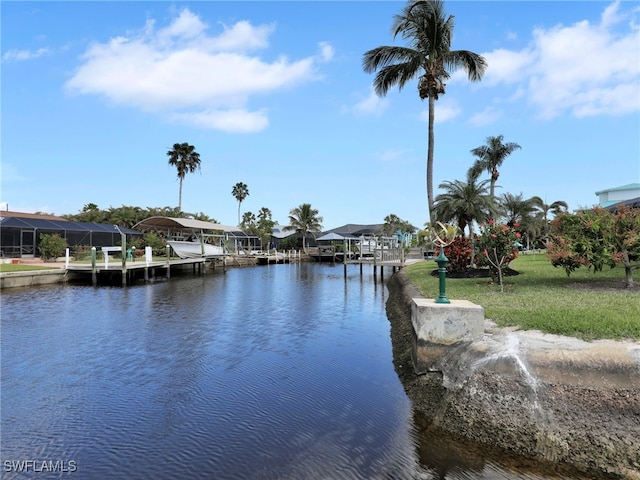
(366, 246)
(185, 249)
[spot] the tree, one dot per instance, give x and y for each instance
(557, 207)
(496, 247)
(304, 219)
(265, 225)
(596, 238)
(429, 30)
(240, 192)
(393, 223)
(186, 160)
(464, 202)
(491, 156)
(515, 209)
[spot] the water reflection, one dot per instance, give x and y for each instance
(269, 373)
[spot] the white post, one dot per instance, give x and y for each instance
(66, 258)
(106, 259)
(148, 254)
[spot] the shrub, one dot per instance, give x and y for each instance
(156, 242)
(51, 246)
(459, 254)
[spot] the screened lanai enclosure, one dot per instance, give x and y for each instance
(20, 233)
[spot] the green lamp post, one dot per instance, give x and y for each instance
(442, 261)
(448, 231)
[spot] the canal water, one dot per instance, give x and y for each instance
(278, 372)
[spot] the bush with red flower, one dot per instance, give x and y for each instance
(496, 247)
(458, 253)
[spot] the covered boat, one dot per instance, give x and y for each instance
(195, 249)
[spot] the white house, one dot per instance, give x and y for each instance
(611, 196)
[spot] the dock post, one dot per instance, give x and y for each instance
(123, 249)
(168, 256)
(94, 270)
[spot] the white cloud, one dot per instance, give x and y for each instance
(22, 55)
(372, 104)
(392, 155)
(584, 69)
(326, 51)
(236, 120)
(488, 116)
(446, 109)
(181, 67)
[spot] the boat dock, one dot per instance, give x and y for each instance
(129, 271)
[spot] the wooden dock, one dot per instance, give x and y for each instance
(127, 272)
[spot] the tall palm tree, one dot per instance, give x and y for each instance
(557, 207)
(491, 156)
(240, 191)
(304, 219)
(464, 202)
(428, 30)
(186, 160)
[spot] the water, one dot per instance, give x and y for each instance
(279, 372)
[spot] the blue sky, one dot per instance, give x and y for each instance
(273, 94)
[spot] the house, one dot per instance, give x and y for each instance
(612, 196)
(20, 233)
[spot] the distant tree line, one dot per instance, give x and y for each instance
(128, 216)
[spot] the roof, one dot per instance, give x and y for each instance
(331, 236)
(36, 223)
(353, 229)
(41, 216)
(282, 231)
(631, 203)
(168, 223)
(630, 186)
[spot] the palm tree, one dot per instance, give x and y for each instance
(464, 202)
(304, 219)
(184, 157)
(515, 209)
(240, 192)
(557, 207)
(491, 156)
(429, 30)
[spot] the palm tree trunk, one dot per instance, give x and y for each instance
(430, 145)
(180, 197)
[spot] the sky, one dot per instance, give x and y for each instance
(273, 94)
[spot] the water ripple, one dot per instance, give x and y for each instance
(283, 372)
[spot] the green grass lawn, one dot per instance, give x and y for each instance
(586, 305)
(10, 267)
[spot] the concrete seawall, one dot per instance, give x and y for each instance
(32, 278)
(552, 398)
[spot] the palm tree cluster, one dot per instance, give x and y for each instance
(473, 201)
